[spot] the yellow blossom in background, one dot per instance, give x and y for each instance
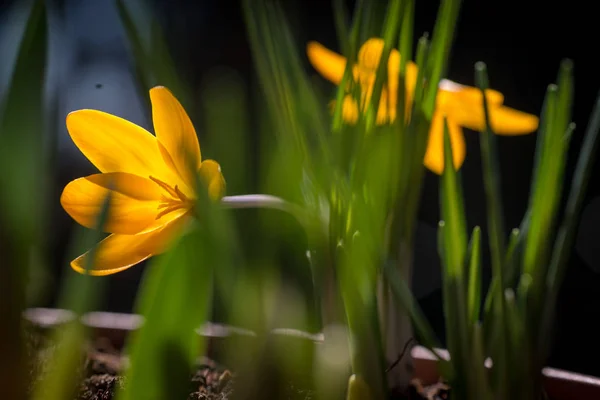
(149, 176)
(462, 105)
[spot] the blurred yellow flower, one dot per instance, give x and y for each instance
(462, 105)
(150, 178)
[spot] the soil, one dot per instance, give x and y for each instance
(103, 364)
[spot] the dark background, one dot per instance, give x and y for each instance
(521, 42)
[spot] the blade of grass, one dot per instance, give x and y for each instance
(415, 143)
(546, 194)
(389, 34)
(452, 212)
(80, 295)
(406, 46)
(174, 300)
(566, 232)
(154, 63)
(405, 297)
(491, 174)
(479, 382)
(441, 43)
(350, 60)
(142, 62)
(341, 25)
(21, 212)
(474, 283)
(454, 237)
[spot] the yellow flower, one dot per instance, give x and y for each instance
(462, 105)
(151, 182)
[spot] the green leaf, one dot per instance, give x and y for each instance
(389, 34)
(546, 193)
(174, 300)
(441, 43)
(405, 297)
(491, 174)
(80, 295)
(453, 213)
(22, 193)
(474, 284)
(579, 185)
(405, 46)
(341, 26)
(566, 231)
(153, 61)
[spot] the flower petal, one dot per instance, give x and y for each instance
(133, 204)
(504, 120)
(119, 252)
(471, 94)
(114, 144)
(175, 131)
(329, 64)
(210, 173)
(434, 155)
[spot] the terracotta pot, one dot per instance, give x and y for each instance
(559, 384)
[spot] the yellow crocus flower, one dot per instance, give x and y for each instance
(462, 105)
(149, 176)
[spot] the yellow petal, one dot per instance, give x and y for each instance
(210, 173)
(471, 94)
(504, 120)
(370, 52)
(119, 252)
(434, 155)
(133, 205)
(175, 131)
(114, 144)
(328, 63)
(331, 65)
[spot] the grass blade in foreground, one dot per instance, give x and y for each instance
(154, 64)
(80, 295)
(546, 193)
(453, 255)
(174, 300)
(21, 155)
(566, 233)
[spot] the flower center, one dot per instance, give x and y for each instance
(173, 200)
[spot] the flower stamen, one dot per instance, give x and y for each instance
(174, 201)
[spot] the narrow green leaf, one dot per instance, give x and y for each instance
(491, 174)
(80, 295)
(441, 43)
(153, 61)
(22, 192)
(389, 34)
(404, 296)
(341, 26)
(142, 60)
(406, 46)
(511, 266)
(540, 172)
(577, 193)
(423, 49)
(474, 286)
(566, 232)
(478, 380)
(174, 300)
(549, 182)
(453, 213)
(351, 56)
(415, 144)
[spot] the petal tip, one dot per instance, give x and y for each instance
(159, 88)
